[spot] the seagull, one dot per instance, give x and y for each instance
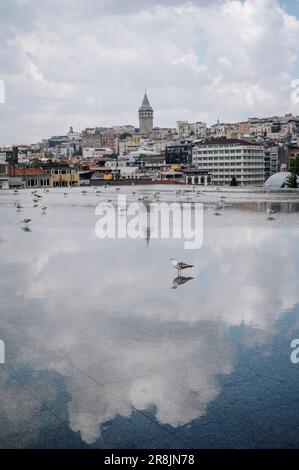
(26, 221)
(19, 206)
(122, 210)
(217, 213)
(270, 214)
(218, 206)
(180, 265)
(44, 208)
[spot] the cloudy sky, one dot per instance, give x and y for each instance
(87, 63)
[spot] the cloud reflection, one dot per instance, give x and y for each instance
(106, 308)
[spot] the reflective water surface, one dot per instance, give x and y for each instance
(107, 347)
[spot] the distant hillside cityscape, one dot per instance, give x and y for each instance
(237, 154)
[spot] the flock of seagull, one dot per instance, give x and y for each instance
(153, 197)
(36, 197)
(145, 198)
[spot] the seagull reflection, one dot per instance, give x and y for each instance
(26, 228)
(180, 280)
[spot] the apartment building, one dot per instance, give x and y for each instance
(3, 175)
(94, 153)
(271, 161)
(105, 139)
(185, 129)
(61, 174)
(293, 154)
(224, 159)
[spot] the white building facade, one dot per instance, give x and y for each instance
(95, 152)
(185, 129)
(228, 158)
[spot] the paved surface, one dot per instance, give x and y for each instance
(102, 353)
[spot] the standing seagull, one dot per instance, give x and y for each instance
(270, 212)
(26, 222)
(180, 265)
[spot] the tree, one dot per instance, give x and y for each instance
(234, 181)
(124, 136)
(291, 181)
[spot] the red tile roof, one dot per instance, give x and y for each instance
(27, 172)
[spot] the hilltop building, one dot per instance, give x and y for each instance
(146, 116)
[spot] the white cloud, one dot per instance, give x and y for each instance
(89, 65)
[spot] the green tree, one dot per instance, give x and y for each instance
(124, 136)
(291, 181)
(234, 181)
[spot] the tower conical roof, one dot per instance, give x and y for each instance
(145, 102)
